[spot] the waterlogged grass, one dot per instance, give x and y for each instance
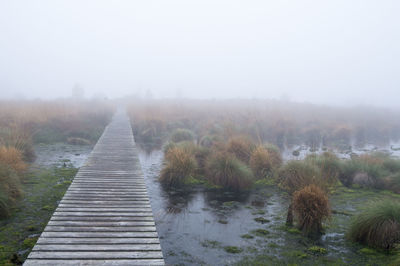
(43, 188)
(284, 245)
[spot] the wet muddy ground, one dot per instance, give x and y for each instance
(212, 227)
(48, 155)
(43, 187)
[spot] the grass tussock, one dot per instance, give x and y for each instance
(180, 164)
(13, 158)
(311, 207)
(284, 124)
(225, 170)
(241, 147)
(10, 189)
(329, 166)
(264, 161)
(378, 225)
(182, 134)
(295, 175)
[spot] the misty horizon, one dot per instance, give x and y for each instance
(334, 52)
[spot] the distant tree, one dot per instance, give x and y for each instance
(78, 92)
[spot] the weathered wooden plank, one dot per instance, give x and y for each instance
(105, 198)
(104, 209)
(99, 234)
(99, 241)
(94, 223)
(103, 205)
(97, 262)
(97, 247)
(55, 228)
(102, 218)
(101, 214)
(96, 255)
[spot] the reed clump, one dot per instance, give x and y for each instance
(378, 225)
(182, 134)
(241, 147)
(180, 164)
(295, 175)
(225, 170)
(12, 168)
(311, 208)
(264, 162)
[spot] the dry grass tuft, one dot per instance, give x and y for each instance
(180, 164)
(13, 158)
(241, 147)
(311, 207)
(295, 175)
(263, 162)
(225, 170)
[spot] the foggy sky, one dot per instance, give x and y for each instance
(335, 52)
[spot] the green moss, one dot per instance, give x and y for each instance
(30, 242)
(258, 212)
(229, 203)
(265, 182)
(191, 181)
(260, 232)
(221, 221)
(47, 208)
(30, 228)
(39, 192)
(261, 220)
(317, 250)
(233, 249)
(211, 244)
(289, 229)
(273, 245)
(295, 254)
(247, 236)
(294, 231)
(368, 251)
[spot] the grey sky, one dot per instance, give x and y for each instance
(338, 52)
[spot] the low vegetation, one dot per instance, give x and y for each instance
(24, 124)
(236, 145)
(378, 225)
(180, 164)
(225, 170)
(311, 208)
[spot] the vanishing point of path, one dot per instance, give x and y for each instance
(105, 217)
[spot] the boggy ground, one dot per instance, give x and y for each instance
(44, 185)
(203, 226)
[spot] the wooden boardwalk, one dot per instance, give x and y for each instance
(105, 217)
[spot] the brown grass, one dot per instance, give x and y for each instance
(295, 175)
(180, 164)
(311, 207)
(13, 158)
(241, 147)
(225, 170)
(263, 162)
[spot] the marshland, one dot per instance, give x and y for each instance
(265, 132)
(246, 182)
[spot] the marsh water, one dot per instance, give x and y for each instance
(197, 226)
(49, 155)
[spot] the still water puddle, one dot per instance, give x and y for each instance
(58, 154)
(196, 226)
